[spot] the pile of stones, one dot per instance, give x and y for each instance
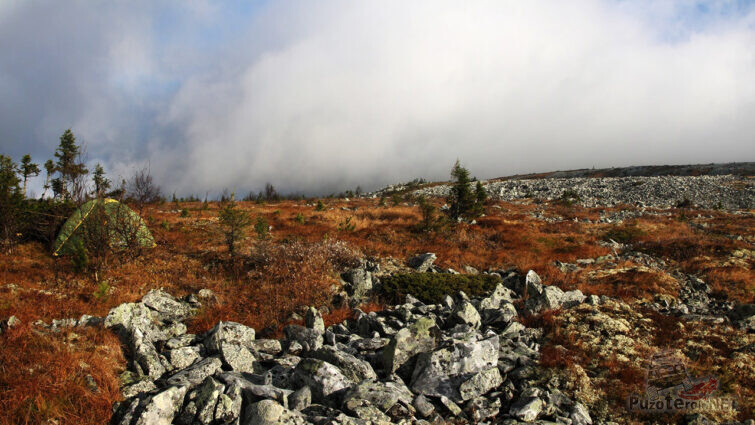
(461, 361)
(729, 192)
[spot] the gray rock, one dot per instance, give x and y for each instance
(548, 299)
(527, 409)
(231, 332)
(228, 407)
(513, 329)
(533, 284)
(267, 391)
(447, 302)
(580, 415)
(359, 282)
(441, 372)
(313, 320)
(423, 406)
(143, 386)
(422, 262)
(481, 408)
(352, 367)
(167, 307)
(309, 339)
(268, 346)
(369, 344)
(183, 357)
(500, 295)
(300, 399)
(237, 357)
(417, 338)
(323, 378)
(480, 383)
(196, 373)
(161, 408)
(470, 270)
(126, 412)
(268, 412)
(381, 395)
(207, 296)
(572, 298)
(465, 313)
(180, 341)
(127, 317)
(450, 405)
(206, 400)
(145, 355)
(9, 323)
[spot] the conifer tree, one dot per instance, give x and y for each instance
(49, 170)
(101, 183)
(462, 200)
(28, 169)
(70, 167)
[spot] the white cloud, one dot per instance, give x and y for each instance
(322, 96)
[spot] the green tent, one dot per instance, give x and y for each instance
(122, 223)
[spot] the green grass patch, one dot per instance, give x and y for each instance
(431, 287)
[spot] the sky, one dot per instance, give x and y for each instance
(322, 96)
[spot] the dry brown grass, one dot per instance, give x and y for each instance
(297, 266)
(44, 377)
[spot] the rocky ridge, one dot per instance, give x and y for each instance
(463, 360)
(729, 192)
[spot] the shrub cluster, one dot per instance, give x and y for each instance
(432, 287)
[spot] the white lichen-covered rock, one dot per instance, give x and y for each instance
(417, 338)
(354, 368)
(196, 373)
(321, 377)
(549, 299)
(465, 313)
(527, 409)
(381, 395)
(268, 412)
(237, 357)
(206, 400)
(230, 332)
(167, 307)
(441, 372)
(183, 357)
(480, 383)
(162, 407)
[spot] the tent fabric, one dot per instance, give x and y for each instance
(126, 223)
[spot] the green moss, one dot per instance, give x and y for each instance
(431, 287)
(626, 234)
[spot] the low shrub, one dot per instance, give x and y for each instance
(626, 234)
(431, 287)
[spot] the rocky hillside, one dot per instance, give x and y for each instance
(729, 192)
(733, 168)
(536, 312)
(461, 360)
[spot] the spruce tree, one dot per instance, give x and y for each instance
(462, 199)
(69, 166)
(101, 183)
(10, 199)
(481, 196)
(28, 169)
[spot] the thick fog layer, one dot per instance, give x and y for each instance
(327, 95)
